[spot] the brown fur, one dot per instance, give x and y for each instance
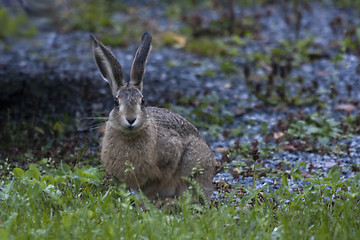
(150, 148)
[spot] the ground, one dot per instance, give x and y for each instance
(273, 87)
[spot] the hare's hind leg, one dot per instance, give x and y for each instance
(197, 163)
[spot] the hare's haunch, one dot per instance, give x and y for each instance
(149, 148)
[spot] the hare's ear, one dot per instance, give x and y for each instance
(138, 65)
(108, 65)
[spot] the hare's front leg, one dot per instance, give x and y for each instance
(151, 189)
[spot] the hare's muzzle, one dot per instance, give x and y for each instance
(131, 121)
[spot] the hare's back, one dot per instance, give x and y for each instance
(168, 120)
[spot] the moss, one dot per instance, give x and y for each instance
(14, 25)
(209, 47)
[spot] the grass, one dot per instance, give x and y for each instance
(43, 197)
(52, 186)
(48, 198)
(79, 203)
(14, 25)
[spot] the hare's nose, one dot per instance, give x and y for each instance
(131, 120)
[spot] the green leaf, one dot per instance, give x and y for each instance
(18, 172)
(4, 234)
(312, 180)
(53, 192)
(58, 127)
(284, 179)
(48, 179)
(323, 140)
(39, 130)
(297, 166)
(65, 168)
(334, 174)
(296, 175)
(33, 172)
(312, 130)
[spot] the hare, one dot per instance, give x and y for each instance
(149, 149)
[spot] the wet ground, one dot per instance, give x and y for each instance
(53, 74)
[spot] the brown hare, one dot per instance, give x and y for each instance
(149, 149)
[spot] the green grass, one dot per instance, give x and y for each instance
(79, 203)
(14, 25)
(48, 199)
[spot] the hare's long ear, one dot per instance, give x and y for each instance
(138, 65)
(108, 65)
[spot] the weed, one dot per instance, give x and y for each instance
(353, 122)
(14, 25)
(279, 88)
(347, 4)
(79, 203)
(100, 17)
(314, 133)
(229, 67)
(49, 138)
(316, 128)
(209, 47)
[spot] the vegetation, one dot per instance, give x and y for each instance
(80, 203)
(52, 184)
(14, 25)
(48, 198)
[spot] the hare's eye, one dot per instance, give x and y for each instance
(142, 101)
(116, 102)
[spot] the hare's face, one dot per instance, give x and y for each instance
(128, 113)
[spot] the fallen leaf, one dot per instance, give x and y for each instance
(177, 40)
(278, 135)
(307, 175)
(277, 182)
(315, 165)
(289, 147)
(322, 73)
(330, 164)
(345, 107)
(238, 111)
(221, 149)
(265, 66)
(196, 102)
(228, 85)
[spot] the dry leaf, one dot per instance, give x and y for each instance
(228, 85)
(277, 182)
(278, 135)
(307, 175)
(265, 66)
(238, 111)
(322, 73)
(177, 40)
(330, 164)
(289, 147)
(221, 149)
(345, 107)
